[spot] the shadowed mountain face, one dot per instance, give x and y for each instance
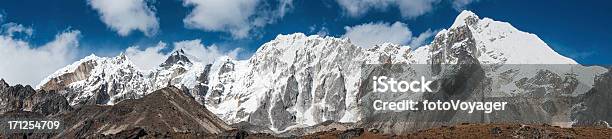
(168, 112)
(178, 57)
(165, 111)
(24, 98)
(19, 102)
(595, 106)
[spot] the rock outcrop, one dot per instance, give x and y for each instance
(24, 98)
(594, 108)
(167, 111)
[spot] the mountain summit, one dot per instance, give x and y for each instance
(499, 42)
(177, 57)
(101, 80)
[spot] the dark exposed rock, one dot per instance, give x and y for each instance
(167, 110)
(24, 98)
(20, 115)
(496, 130)
(134, 133)
(178, 57)
(374, 130)
(3, 84)
(246, 126)
(601, 124)
(280, 106)
(596, 102)
(237, 134)
(228, 66)
(351, 133)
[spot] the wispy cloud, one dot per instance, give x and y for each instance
(237, 17)
(407, 8)
(369, 34)
(423, 38)
(460, 4)
(23, 63)
(125, 16)
(12, 29)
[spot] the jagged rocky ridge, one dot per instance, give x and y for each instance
(298, 81)
(167, 112)
(100, 80)
(24, 98)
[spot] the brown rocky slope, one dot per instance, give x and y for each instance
(165, 111)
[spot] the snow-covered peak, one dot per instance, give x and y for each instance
(3, 83)
(122, 59)
(286, 49)
(499, 42)
(465, 17)
(107, 80)
(292, 40)
(177, 57)
(388, 48)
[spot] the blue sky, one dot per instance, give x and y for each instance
(581, 30)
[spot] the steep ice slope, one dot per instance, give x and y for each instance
(501, 42)
(501, 48)
(304, 79)
(265, 77)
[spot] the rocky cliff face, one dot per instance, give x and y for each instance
(24, 98)
(167, 112)
(595, 105)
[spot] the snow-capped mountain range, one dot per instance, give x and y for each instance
(101, 80)
(297, 80)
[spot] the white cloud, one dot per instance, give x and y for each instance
(149, 58)
(237, 17)
(10, 29)
(422, 38)
(152, 57)
(204, 54)
(322, 31)
(415, 8)
(460, 4)
(407, 8)
(23, 63)
(124, 16)
(369, 34)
